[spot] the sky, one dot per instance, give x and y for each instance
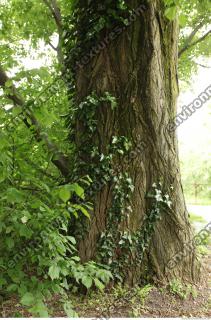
(195, 133)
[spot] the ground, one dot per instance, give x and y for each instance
(175, 300)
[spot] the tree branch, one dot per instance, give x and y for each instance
(200, 39)
(202, 65)
(59, 159)
(53, 7)
(56, 13)
(189, 44)
(52, 46)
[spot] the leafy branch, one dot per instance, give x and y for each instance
(189, 44)
(56, 13)
(59, 159)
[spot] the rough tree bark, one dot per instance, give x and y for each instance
(139, 68)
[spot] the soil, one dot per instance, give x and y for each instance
(160, 302)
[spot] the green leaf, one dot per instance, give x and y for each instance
(14, 195)
(64, 194)
(54, 272)
(25, 231)
(71, 239)
(10, 243)
(2, 225)
(99, 284)
(12, 287)
(8, 83)
(87, 281)
(77, 189)
(27, 299)
(69, 310)
(182, 20)
(39, 309)
(65, 191)
(171, 12)
(83, 210)
(104, 275)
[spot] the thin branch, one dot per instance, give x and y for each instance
(48, 5)
(202, 65)
(60, 160)
(194, 32)
(56, 13)
(43, 171)
(52, 46)
(54, 8)
(200, 39)
(189, 44)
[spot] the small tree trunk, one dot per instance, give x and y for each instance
(138, 68)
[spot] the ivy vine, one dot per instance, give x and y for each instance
(118, 246)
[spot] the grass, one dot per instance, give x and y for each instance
(196, 218)
(203, 248)
(199, 202)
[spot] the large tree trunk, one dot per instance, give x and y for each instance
(138, 68)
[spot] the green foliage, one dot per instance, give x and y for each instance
(182, 290)
(143, 292)
(136, 297)
(197, 177)
(194, 25)
(38, 253)
(117, 247)
(38, 257)
(173, 9)
(114, 245)
(195, 218)
(203, 250)
(194, 20)
(119, 291)
(85, 26)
